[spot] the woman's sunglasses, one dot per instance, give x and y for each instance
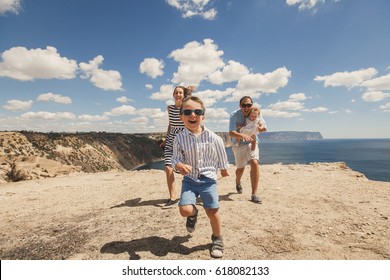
(187, 112)
(248, 105)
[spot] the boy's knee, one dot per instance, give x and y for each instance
(211, 211)
(186, 210)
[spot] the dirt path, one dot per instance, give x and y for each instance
(317, 211)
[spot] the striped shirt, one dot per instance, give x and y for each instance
(174, 119)
(205, 153)
(176, 125)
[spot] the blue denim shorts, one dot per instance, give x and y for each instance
(204, 187)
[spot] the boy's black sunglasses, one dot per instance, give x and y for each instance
(187, 112)
(248, 105)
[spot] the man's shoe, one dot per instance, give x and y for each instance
(255, 199)
(170, 203)
(191, 221)
(239, 188)
(217, 247)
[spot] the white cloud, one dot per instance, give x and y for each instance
(149, 86)
(140, 121)
(297, 97)
(93, 118)
(318, 110)
(124, 99)
(254, 84)
(267, 83)
(122, 110)
(386, 107)
(152, 67)
(218, 113)
(191, 8)
(151, 113)
(381, 83)
(210, 97)
(307, 4)
(49, 115)
(347, 79)
(104, 79)
(11, 6)
(304, 4)
(196, 62)
(18, 105)
(279, 114)
(26, 65)
(374, 96)
(57, 98)
(165, 93)
(232, 71)
(286, 105)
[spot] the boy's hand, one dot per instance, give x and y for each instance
(224, 173)
(184, 169)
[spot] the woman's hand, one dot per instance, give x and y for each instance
(224, 173)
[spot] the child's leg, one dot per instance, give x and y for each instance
(187, 198)
(187, 203)
(217, 246)
(187, 210)
(215, 221)
(253, 143)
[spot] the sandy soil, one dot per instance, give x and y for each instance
(309, 212)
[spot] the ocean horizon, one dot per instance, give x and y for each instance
(368, 156)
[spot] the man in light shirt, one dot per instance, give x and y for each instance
(242, 150)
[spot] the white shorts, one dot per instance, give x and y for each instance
(243, 154)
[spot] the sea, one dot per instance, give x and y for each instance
(368, 156)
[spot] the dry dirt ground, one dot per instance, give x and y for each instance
(309, 212)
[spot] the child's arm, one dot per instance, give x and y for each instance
(222, 159)
(178, 158)
(184, 169)
(262, 128)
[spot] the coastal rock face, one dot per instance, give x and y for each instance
(30, 155)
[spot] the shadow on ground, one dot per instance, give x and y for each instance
(156, 245)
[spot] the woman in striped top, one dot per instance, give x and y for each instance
(175, 126)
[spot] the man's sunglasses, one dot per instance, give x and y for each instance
(187, 112)
(248, 105)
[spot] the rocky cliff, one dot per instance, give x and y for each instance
(28, 155)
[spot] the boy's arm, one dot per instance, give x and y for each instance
(223, 162)
(178, 159)
(184, 169)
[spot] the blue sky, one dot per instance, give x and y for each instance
(93, 65)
